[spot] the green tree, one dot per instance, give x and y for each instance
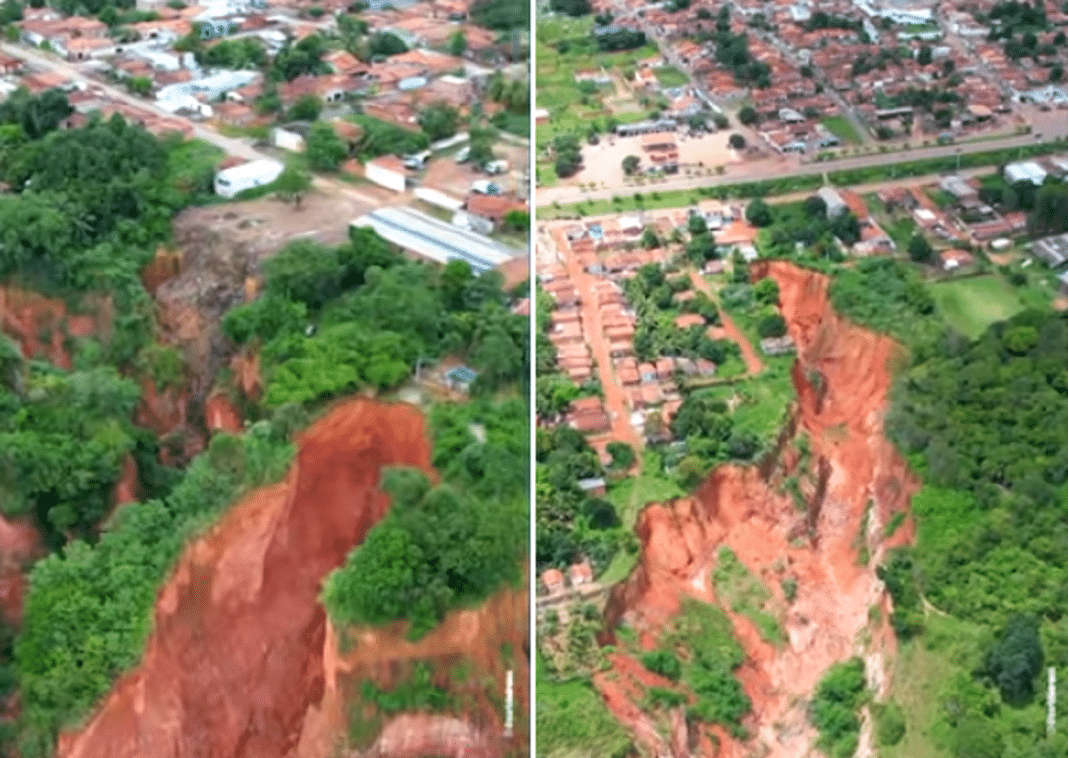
(631, 164)
(747, 115)
(622, 455)
(458, 44)
(324, 148)
(386, 44)
(307, 108)
(771, 324)
(758, 213)
(920, 249)
(766, 292)
(291, 185)
(736, 141)
(439, 120)
(924, 56)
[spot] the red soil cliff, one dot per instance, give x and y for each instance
(853, 478)
(236, 656)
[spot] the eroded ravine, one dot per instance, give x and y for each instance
(235, 660)
(852, 481)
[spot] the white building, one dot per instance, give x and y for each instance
(387, 171)
(1029, 170)
(231, 181)
(834, 202)
(436, 240)
(210, 87)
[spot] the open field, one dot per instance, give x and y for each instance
(669, 77)
(573, 721)
(603, 162)
(564, 48)
(973, 304)
(842, 128)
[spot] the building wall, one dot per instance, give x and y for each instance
(384, 177)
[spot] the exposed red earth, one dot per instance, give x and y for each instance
(852, 477)
(235, 662)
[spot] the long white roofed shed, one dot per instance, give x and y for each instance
(436, 240)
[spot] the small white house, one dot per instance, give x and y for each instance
(231, 181)
(387, 171)
(1029, 170)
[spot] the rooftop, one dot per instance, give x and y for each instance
(436, 240)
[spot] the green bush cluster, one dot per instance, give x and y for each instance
(447, 545)
(89, 607)
(833, 710)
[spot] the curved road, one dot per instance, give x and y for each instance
(231, 146)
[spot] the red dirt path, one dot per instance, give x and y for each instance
(736, 506)
(593, 332)
(753, 364)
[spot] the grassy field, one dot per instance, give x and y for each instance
(629, 496)
(921, 673)
(971, 305)
(669, 77)
(764, 399)
(842, 128)
(573, 721)
(746, 595)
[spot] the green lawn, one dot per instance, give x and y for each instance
(921, 674)
(842, 128)
(971, 305)
(901, 229)
(573, 721)
(669, 77)
(631, 495)
(764, 399)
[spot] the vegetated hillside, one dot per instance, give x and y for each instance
(985, 423)
(89, 401)
(982, 590)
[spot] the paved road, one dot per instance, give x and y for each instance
(241, 148)
(566, 195)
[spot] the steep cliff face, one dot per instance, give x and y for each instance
(485, 642)
(236, 655)
(852, 481)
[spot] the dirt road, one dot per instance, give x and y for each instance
(753, 364)
(593, 333)
(236, 147)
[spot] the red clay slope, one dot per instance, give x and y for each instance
(851, 465)
(236, 656)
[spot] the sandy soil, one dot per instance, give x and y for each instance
(603, 163)
(852, 464)
(446, 175)
(269, 223)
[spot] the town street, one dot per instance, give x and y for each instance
(241, 148)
